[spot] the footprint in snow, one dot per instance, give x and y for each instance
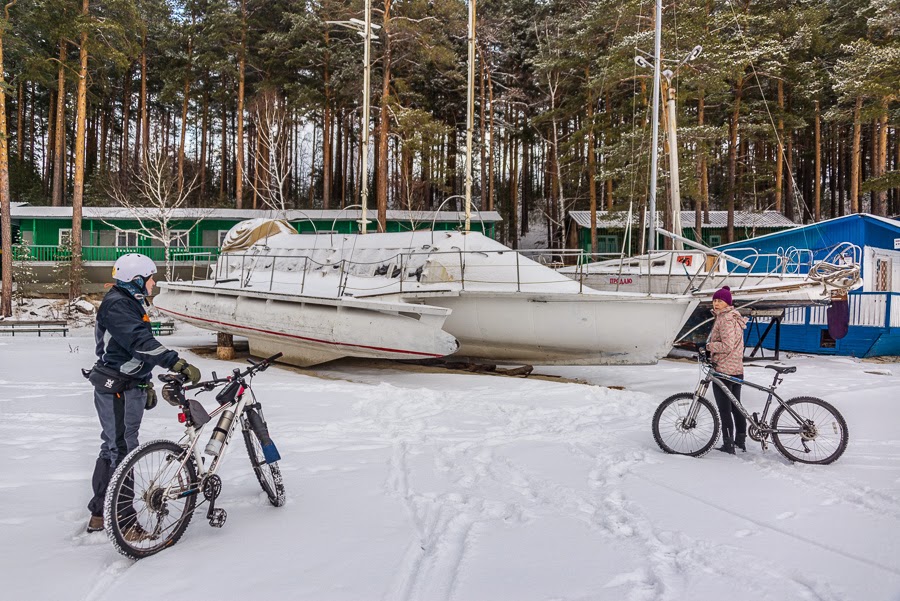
(743, 533)
(785, 515)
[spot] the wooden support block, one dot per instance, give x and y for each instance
(225, 346)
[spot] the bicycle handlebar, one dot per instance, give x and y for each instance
(180, 379)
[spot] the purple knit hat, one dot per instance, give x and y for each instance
(724, 294)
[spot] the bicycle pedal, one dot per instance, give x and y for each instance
(217, 520)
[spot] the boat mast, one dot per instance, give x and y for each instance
(674, 183)
(364, 177)
(654, 136)
(470, 113)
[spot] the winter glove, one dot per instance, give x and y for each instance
(183, 367)
(151, 395)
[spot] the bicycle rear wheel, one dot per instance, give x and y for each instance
(675, 433)
(268, 474)
(821, 438)
(150, 499)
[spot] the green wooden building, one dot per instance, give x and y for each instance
(611, 229)
(44, 233)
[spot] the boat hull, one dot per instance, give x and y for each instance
(310, 330)
(570, 329)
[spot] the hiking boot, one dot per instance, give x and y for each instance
(727, 443)
(135, 534)
(741, 443)
(727, 447)
(96, 523)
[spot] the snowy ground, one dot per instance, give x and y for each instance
(408, 484)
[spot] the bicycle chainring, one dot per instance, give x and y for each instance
(754, 433)
(212, 487)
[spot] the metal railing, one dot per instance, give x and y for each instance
(398, 270)
(55, 253)
(755, 267)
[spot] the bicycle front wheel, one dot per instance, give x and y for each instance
(675, 431)
(268, 474)
(150, 499)
(820, 437)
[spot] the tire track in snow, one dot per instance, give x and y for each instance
(860, 497)
(824, 546)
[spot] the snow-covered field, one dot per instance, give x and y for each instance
(414, 484)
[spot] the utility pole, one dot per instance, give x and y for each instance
(470, 113)
(654, 136)
(654, 156)
(363, 28)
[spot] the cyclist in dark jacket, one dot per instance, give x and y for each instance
(127, 352)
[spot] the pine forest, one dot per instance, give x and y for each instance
(791, 106)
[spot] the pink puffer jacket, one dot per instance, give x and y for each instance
(726, 342)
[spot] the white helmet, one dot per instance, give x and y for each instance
(133, 265)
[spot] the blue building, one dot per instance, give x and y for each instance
(874, 308)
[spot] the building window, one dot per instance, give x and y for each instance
(222, 235)
(715, 239)
(126, 239)
(65, 237)
(608, 244)
(178, 239)
(882, 275)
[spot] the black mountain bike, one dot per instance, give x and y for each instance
(804, 429)
(153, 493)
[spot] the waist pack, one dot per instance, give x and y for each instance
(106, 379)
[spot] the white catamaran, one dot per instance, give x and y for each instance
(319, 297)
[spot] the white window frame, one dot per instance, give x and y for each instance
(179, 239)
(127, 234)
(222, 235)
(64, 233)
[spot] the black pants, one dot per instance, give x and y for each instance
(734, 424)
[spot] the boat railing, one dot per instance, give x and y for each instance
(399, 268)
(839, 269)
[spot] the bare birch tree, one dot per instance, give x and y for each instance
(273, 130)
(155, 200)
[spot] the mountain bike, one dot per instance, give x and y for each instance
(153, 493)
(804, 429)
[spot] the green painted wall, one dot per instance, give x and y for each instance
(96, 232)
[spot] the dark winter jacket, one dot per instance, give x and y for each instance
(125, 341)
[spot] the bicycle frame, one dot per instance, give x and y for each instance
(718, 379)
(193, 434)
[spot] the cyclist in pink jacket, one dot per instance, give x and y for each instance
(726, 347)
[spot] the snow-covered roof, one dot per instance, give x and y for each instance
(717, 219)
(32, 212)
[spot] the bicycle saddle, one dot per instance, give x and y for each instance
(783, 370)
